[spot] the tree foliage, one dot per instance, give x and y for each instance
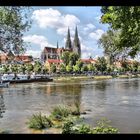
(14, 21)
(126, 19)
(101, 64)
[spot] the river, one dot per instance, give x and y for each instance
(117, 100)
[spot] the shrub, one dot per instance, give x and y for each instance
(77, 108)
(70, 127)
(103, 127)
(60, 112)
(39, 122)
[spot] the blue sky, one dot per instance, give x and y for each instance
(50, 25)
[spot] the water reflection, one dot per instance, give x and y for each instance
(114, 99)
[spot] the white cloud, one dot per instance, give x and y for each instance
(54, 19)
(35, 54)
(86, 51)
(89, 27)
(38, 40)
(97, 34)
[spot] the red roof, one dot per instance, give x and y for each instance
(23, 57)
(54, 61)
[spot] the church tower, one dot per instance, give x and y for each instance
(76, 43)
(68, 44)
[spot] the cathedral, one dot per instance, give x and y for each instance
(55, 53)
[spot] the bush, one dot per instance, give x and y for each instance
(60, 112)
(77, 109)
(70, 127)
(103, 127)
(39, 122)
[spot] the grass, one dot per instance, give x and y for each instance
(60, 112)
(65, 119)
(38, 121)
(70, 127)
(102, 77)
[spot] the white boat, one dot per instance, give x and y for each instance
(4, 84)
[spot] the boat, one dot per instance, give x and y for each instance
(4, 84)
(24, 78)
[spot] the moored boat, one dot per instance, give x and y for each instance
(21, 78)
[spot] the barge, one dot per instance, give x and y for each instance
(19, 78)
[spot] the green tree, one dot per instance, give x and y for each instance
(37, 67)
(6, 68)
(109, 42)
(73, 57)
(22, 68)
(62, 68)
(69, 68)
(14, 68)
(84, 68)
(91, 67)
(135, 66)
(126, 20)
(76, 68)
(101, 64)
(14, 21)
(53, 68)
(29, 68)
(65, 57)
(79, 63)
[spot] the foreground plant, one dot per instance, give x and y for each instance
(39, 121)
(103, 127)
(71, 127)
(60, 112)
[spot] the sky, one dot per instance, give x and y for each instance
(50, 24)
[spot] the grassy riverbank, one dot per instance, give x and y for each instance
(102, 77)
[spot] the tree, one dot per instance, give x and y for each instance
(14, 21)
(62, 68)
(126, 20)
(65, 57)
(6, 68)
(22, 68)
(84, 68)
(101, 64)
(73, 57)
(135, 66)
(29, 68)
(37, 67)
(91, 67)
(76, 68)
(69, 68)
(109, 42)
(53, 68)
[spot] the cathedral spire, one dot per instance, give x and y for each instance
(68, 41)
(76, 43)
(57, 45)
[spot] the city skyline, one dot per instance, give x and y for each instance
(50, 24)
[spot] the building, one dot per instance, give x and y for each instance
(55, 53)
(19, 59)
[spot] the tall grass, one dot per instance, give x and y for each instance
(60, 112)
(38, 121)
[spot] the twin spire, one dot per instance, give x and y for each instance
(75, 47)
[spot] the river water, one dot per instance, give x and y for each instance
(117, 100)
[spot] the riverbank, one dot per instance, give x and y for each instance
(102, 77)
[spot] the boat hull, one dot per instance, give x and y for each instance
(28, 81)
